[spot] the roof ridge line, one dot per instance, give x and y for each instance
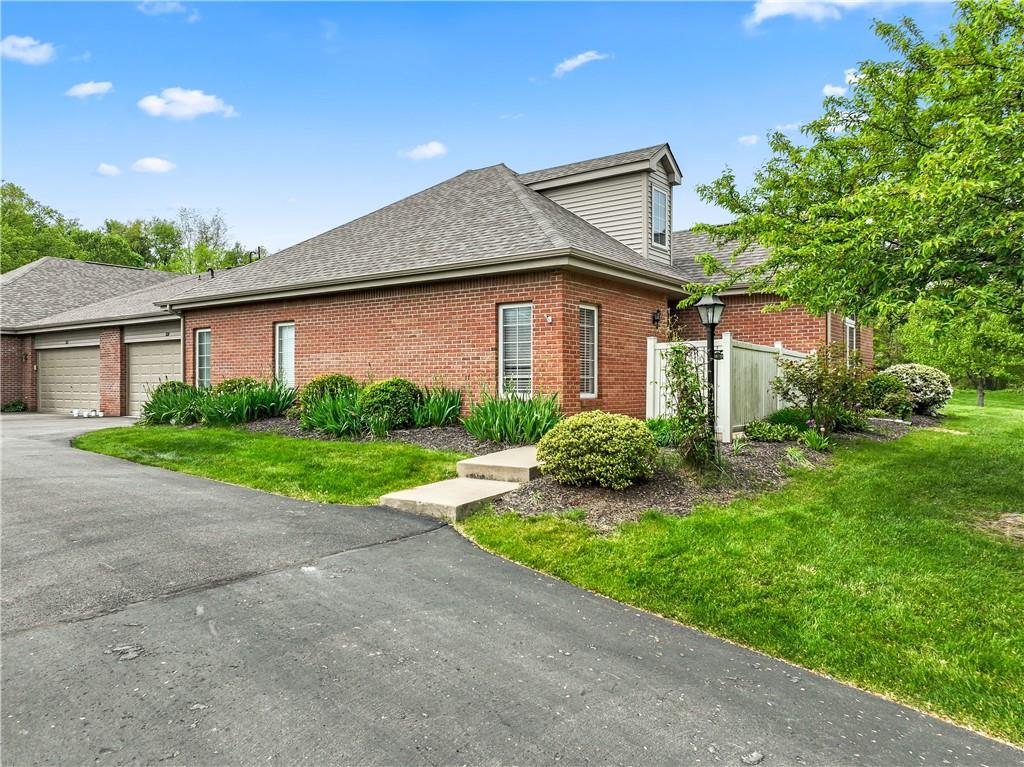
(522, 193)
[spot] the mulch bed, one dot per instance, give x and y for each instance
(754, 468)
(434, 437)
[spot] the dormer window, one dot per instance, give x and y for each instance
(659, 217)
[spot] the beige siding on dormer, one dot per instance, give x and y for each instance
(616, 206)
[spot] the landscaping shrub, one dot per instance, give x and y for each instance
(888, 393)
(389, 404)
(331, 384)
(247, 402)
(874, 412)
(850, 420)
(824, 383)
(665, 431)
(439, 407)
(338, 414)
(929, 388)
(763, 431)
(693, 435)
(790, 416)
(817, 440)
(597, 448)
(512, 420)
(14, 406)
(234, 385)
(173, 402)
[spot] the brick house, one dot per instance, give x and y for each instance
(548, 281)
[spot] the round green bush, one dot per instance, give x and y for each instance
(234, 385)
(389, 404)
(331, 384)
(597, 448)
(929, 388)
(796, 417)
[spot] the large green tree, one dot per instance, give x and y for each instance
(911, 185)
(975, 345)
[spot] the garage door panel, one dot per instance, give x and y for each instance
(149, 364)
(68, 379)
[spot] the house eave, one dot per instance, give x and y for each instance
(131, 319)
(565, 258)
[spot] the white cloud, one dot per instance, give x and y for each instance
(814, 10)
(181, 104)
(153, 165)
(106, 169)
(91, 88)
(787, 127)
(165, 7)
(84, 56)
(426, 151)
(748, 140)
(577, 61)
(851, 75)
(27, 50)
(834, 90)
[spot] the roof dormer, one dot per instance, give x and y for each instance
(626, 195)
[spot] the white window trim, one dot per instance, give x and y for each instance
(501, 345)
(848, 324)
(597, 355)
(668, 227)
(209, 345)
(277, 349)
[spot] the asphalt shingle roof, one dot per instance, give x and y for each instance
(597, 163)
(687, 246)
(136, 304)
(52, 285)
(480, 216)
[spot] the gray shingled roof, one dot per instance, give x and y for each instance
(137, 304)
(478, 217)
(597, 163)
(51, 285)
(687, 246)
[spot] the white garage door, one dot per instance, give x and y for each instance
(149, 364)
(68, 379)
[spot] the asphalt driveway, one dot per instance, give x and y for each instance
(150, 616)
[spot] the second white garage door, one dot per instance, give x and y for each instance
(68, 379)
(149, 364)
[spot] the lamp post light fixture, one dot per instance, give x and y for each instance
(710, 309)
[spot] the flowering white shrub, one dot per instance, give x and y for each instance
(929, 388)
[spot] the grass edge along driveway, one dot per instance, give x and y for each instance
(872, 571)
(355, 473)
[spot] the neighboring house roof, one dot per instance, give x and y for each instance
(50, 285)
(687, 246)
(138, 304)
(483, 217)
(597, 163)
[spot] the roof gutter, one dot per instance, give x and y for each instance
(131, 319)
(553, 259)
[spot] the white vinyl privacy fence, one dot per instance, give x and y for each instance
(743, 380)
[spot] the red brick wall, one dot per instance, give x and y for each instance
(743, 317)
(443, 332)
(113, 372)
(17, 370)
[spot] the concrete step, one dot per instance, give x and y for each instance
(451, 499)
(516, 465)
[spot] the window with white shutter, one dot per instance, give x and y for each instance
(515, 349)
(588, 351)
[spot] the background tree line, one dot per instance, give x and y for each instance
(188, 243)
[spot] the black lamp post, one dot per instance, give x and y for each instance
(710, 309)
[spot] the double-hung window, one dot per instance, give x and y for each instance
(588, 351)
(203, 356)
(659, 217)
(515, 350)
(284, 353)
(850, 326)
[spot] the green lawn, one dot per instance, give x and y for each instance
(331, 472)
(871, 571)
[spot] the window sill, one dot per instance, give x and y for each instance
(588, 396)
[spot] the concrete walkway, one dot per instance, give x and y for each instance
(421, 650)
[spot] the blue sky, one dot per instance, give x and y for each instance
(292, 118)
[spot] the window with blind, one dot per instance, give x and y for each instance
(515, 349)
(203, 356)
(588, 351)
(284, 363)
